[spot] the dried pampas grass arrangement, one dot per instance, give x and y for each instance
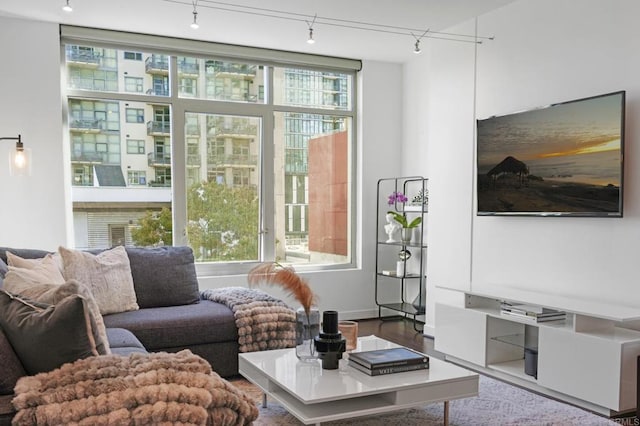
(273, 273)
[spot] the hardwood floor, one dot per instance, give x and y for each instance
(399, 331)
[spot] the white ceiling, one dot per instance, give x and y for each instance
(230, 22)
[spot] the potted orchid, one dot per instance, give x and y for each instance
(401, 218)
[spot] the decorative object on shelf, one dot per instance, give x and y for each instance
(419, 301)
(397, 197)
(421, 199)
(307, 317)
(407, 227)
(401, 265)
(391, 228)
(330, 345)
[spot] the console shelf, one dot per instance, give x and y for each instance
(586, 359)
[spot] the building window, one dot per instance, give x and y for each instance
(133, 84)
(135, 146)
(289, 153)
(137, 177)
(117, 235)
(133, 56)
(135, 115)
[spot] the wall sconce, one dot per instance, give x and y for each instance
(20, 159)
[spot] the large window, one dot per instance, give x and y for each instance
(244, 160)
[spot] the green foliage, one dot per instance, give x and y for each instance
(223, 222)
(402, 220)
(155, 228)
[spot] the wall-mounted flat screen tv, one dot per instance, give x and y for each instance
(564, 159)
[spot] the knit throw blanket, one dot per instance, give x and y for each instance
(263, 322)
(141, 389)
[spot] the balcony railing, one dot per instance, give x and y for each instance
(188, 68)
(87, 157)
(237, 69)
(158, 128)
(87, 57)
(155, 159)
(156, 64)
(86, 125)
(158, 92)
(239, 129)
(233, 160)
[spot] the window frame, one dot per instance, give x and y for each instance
(267, 60)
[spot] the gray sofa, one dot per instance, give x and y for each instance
(172, 317)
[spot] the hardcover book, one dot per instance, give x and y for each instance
(391, 357)
(388, 370)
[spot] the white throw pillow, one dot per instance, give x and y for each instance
(107, 274)
(25, 273)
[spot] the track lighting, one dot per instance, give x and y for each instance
(194, 24)
(67, 7)
(310, 40)
(416, 49)
(20, 159)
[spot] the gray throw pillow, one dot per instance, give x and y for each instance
(164, 276)
(46, 336)
(10, 366)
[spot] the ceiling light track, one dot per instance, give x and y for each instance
(336, 22)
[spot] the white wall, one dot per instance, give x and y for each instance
(33, 212)
(36, 212)
(544, 51)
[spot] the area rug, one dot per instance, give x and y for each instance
(498, 403)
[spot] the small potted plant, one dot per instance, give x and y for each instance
(407, 227)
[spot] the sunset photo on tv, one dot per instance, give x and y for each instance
(564, 159)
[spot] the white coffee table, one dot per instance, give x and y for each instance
(314, 395)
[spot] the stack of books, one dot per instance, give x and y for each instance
(387, 361)
(531, 313)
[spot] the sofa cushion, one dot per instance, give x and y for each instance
(164, 276)
(107, 274)
(178, 326)
(46, 336)
(10, 366)
(123, 342)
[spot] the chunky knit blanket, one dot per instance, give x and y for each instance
(263, 322)
(141, 389)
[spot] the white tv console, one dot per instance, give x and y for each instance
(588, 359)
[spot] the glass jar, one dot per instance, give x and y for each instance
(307, 328)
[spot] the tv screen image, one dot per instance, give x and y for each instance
(565, 159)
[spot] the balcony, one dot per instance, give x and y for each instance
(86, 158)
(188, 69)
(158, 92)
(86, 126)
(247, 72)
(157, 64)
(158, 159)
(87, 58)
(235, 160)
(237, 131)
(158, 128)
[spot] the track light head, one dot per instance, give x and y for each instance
(417, 48)
(194, 24)
(67, 7)
(310, 40)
